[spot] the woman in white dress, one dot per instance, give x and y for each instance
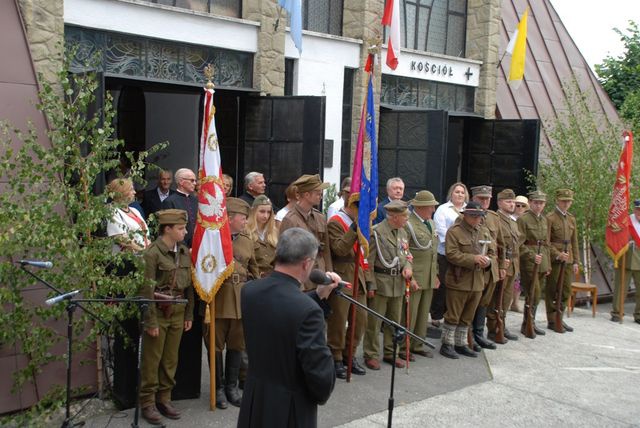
(126, 226)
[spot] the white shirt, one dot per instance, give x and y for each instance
(163, 196)
(335, 207)
(281, 213)
(122, 224)
(444, 217)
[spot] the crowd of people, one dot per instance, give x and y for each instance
(463, 264)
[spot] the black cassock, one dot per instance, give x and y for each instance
(291, 368)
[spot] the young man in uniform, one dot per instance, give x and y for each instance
(563, 233)
(305, 216)
(390, 258)
(423, 244)
(511, 237)
(631, 267)
(533, 232)
(470, 252)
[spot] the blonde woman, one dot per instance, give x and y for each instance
(264, 232)
(126, 225)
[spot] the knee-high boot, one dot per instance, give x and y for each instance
(478, 329)
(537, 329)
(232, 371)
(221, 398)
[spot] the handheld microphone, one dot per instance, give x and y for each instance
(60, 298)
(318, 277)
(36, 263)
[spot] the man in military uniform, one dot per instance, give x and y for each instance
(533, 232)
(563, 231)
(470, 252)
(511, 237)
(305, 216)
(228, 317)
(168, 275)
(631, 266)
(390, 258)
(342, 238)
(423, 244)
(482, 196)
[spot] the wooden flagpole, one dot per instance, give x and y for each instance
(352, 312)
(212, 354)
(623, 288)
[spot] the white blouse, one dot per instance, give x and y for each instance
(122, 224)
(444, 217)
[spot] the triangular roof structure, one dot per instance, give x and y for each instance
(552, 58)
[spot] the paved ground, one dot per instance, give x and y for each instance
(589, 378)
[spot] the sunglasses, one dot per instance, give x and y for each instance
(521, 206)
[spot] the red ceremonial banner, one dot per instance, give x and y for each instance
(617, 229)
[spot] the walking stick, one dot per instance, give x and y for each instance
(499, 309)
(407, 293)
(352, 309)
(558, 315)
(529, 331)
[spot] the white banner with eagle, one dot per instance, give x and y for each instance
(212, 251)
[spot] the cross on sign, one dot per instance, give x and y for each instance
(468, 73)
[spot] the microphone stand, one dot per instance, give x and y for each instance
(398, 336)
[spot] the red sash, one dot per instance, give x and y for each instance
(141, 223)
(364, 263)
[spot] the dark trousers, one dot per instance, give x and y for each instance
(439, 302)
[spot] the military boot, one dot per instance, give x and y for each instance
(537, 329)
(221, 398)
(448, 332)
(231, 373)
(460, 338)
(478, 329)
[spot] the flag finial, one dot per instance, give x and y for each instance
(208, 73)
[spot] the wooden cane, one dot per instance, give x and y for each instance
(407, 293)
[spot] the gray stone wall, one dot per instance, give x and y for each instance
(483, 41)
(44, 23)
(268, 63)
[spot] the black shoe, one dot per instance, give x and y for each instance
(510, 335)
(356, 368)
(484, 343)
(476, 347)
(567, 327)
(637, 320)
(341, 370)
(616, 318)
(552, 326)
(538, 330)
(221, 399)
(449, 352)
(464, 350)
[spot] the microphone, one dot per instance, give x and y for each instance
(36, 263)
(318, 277)
(60, 298)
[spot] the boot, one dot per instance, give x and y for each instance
(221, 398)
(537, 329)
(461, 342)
(507, 333)
(244, 367)
(232, 371)
(448, 332)
(478, 329)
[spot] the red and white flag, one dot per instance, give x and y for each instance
(391, 20)
(212, 250)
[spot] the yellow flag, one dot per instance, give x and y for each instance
(516, 72)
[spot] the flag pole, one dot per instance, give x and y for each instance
(352, 311)
(212, 353)
(623, 288)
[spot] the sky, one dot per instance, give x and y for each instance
(590, 24)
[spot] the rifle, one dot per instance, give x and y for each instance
(528, 329)
(558, 316)
(407, 293)
(499, 309)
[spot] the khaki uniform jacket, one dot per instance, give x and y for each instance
(343, 256)
(389, 247)
(159, 270)
(315, 223)
(265, 255)
(562, 228)
(492, 222)
(425, 261)
(511, 237)
(632, 257)
(245, 269)
(461, 245)
(533, 228)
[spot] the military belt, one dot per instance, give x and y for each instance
(392, 271)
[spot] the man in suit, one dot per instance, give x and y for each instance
(153, 198)
(395, 192)
(292, 369)
(254, 186)
(184, 199)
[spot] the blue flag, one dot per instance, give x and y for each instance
(294, 8)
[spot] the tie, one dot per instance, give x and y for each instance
(428, 226)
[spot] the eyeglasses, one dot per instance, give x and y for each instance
(192, 180)
(521, 206)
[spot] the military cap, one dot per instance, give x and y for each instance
(423, 198)
(308, 183)
(261, 200)
(346, 185)
(636, 203)
(481, 191)
(396, 207)
(474, 209)
(537, 195)
(172, 216)
(237, 206)
(506, 194)
(564, 195)
(522, 200)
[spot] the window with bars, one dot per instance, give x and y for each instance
(231, 8)
(408, 92)
(323, 16)
(437, 26)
